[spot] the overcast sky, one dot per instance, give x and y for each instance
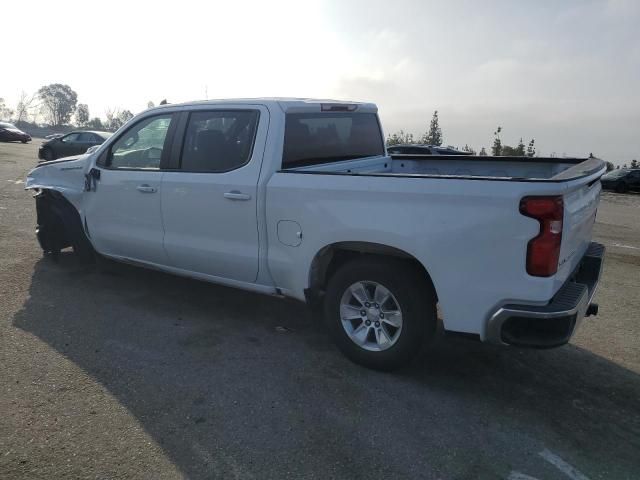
(564, 72)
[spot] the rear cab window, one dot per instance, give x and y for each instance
(316, 138)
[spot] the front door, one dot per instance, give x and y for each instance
(209, 201)
(123, 211)
(68, 145)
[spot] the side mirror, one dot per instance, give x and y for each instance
(103, 159)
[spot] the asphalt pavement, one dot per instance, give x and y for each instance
(130, 373)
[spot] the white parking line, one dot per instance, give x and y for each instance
(520, 476)
(569, 470)
(620, 245)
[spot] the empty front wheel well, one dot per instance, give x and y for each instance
(60, 225)
(330, 258)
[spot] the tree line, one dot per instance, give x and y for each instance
(433, 136)
(57, 104)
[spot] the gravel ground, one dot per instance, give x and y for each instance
(128, 373)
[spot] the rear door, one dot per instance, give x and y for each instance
(209, 199)
(123, 213)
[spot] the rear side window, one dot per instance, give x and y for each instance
(86, 137)
(313, 138)
(218, 141)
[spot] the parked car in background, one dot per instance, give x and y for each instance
(622, 180)
(420, 149)
(10, 133)
(299, 198)
(74, 143)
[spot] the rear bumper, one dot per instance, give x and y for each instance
(553, 324)
(15, 137)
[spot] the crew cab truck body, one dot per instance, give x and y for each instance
(298, 198)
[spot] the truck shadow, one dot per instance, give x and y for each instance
(226, 380)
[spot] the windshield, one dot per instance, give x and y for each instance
(8, 125)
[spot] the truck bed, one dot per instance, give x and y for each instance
(471, 167)
(457, 216)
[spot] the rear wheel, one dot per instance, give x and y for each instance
(380, 312)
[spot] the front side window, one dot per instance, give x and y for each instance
(313, 138)
(218, 141)
(142, 145)
(72, 137)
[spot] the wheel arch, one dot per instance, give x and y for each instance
(52, 206)
(330, 257)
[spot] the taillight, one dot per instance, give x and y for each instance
(543, 251)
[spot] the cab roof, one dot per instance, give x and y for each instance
(285, 104)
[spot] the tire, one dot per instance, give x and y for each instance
(622, 187)
(47, 154)
(411, 292)
(23, 141)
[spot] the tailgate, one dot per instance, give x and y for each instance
(580, 207)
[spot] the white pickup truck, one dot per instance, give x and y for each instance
(299, 198)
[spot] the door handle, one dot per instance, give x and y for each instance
(235, 195)
(146, 188)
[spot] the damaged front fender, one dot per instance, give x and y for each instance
(59, 226)
(60, 186)
(66, 176)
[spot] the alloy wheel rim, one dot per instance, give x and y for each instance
(371, 316)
